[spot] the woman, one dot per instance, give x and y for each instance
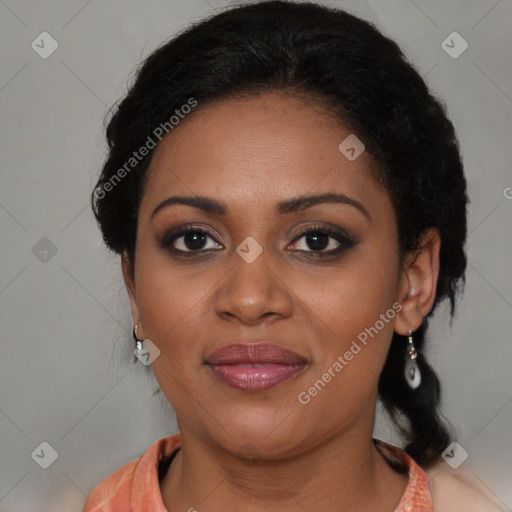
(289, 204)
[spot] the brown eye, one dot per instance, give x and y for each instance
(318, 241)
(189, 240)
(321, 241)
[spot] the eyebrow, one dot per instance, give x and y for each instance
(294, 204)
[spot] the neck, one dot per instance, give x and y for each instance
(344, 473)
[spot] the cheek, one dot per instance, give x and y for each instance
(352, 296)
(351, 347)
(352, 311)
(171, 305)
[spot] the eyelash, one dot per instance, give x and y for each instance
(341, 236)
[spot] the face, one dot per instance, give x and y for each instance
(327, 273)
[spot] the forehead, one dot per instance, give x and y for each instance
(258, 150)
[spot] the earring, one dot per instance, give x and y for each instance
(412, 372)
(139, 347)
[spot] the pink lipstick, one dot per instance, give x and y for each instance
(255, 367)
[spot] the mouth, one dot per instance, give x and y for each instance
(255, 367)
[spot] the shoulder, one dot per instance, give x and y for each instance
(136, 483)
(455, 489)
(112, 493)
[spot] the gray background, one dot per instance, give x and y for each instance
(67, 375)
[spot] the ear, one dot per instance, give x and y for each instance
(129, 282)
(418, 282)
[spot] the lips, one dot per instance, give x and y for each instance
(255, 367)
(260, 353)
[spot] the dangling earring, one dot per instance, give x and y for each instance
(412, 372)
(139, 343)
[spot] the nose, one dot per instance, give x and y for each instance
(253, 292)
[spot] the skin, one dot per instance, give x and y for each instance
(252, 154)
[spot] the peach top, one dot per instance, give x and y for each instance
(135, 487)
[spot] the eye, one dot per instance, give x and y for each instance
(316, 241)
(189, 240)
(323, 241)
